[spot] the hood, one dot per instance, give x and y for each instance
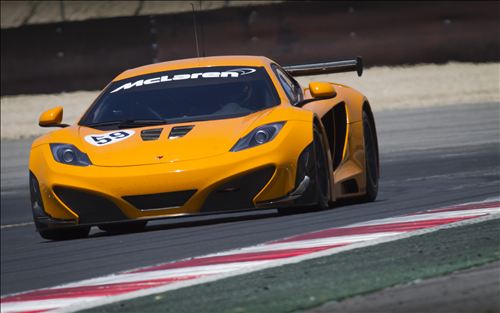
(126, 147)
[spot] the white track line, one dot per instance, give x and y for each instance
(12, 307)
(428, 216)
(312, 243)
(171, 273)
(205, 270)
(16, 225)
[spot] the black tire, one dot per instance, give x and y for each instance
(122, 228)
(371, 158)
(65, 233)
(321, 179)
(320, 183)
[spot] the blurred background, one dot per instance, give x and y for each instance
(56, 46)
(433, 81)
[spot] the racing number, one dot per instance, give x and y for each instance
(102, 140)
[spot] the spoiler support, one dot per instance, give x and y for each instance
(326, 67)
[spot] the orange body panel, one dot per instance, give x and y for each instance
(202, 160)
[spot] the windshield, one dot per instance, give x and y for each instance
(207, 93)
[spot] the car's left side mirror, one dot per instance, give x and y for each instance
(322, 90)
(319, 91)
(52, 118)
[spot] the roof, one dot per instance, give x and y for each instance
(227, 60)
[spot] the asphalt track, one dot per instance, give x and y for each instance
(429, 158)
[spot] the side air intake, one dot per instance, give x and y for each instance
(179, 131)
(151, 134)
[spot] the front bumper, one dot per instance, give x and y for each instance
(91, 195)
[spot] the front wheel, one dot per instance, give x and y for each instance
(320, 181)
(321, 171)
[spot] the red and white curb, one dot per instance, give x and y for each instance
(159, 278)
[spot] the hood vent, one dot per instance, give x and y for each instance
(151, 134)
(179, 131)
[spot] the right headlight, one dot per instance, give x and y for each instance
(69, 154)
(258, 136)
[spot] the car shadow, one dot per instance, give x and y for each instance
(196, 221)
(228, 217)
(222, 218)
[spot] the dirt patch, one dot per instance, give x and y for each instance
(387, 88)
(422, 85)
(19, 114)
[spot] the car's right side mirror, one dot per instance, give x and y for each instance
(52, 118)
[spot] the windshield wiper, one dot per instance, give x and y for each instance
(128, 123)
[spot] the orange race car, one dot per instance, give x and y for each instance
(199, 136)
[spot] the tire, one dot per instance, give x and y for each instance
(320, 183)
(321, 179)
(122, 228)
(65, 233)
(371, 159)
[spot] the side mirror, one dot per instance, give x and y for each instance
(319, 91)
(322, 90)
(52, 118)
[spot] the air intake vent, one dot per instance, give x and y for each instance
(167, 200)
(151, 134)
(179, 131)
(91, 208)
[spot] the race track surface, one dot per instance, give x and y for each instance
(429, 158)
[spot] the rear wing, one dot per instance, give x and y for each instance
(326, 68)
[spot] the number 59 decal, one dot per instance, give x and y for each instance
(108, 138)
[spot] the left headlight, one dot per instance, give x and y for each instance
(69, 154)
(258, 136)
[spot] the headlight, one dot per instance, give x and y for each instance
(69, 154)
(258, 136)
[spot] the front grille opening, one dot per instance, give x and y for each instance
(36, 197)
(350, 186)
(160, 201)
(238, 193)
(89, 207)
(151, 134)
(179, 131)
